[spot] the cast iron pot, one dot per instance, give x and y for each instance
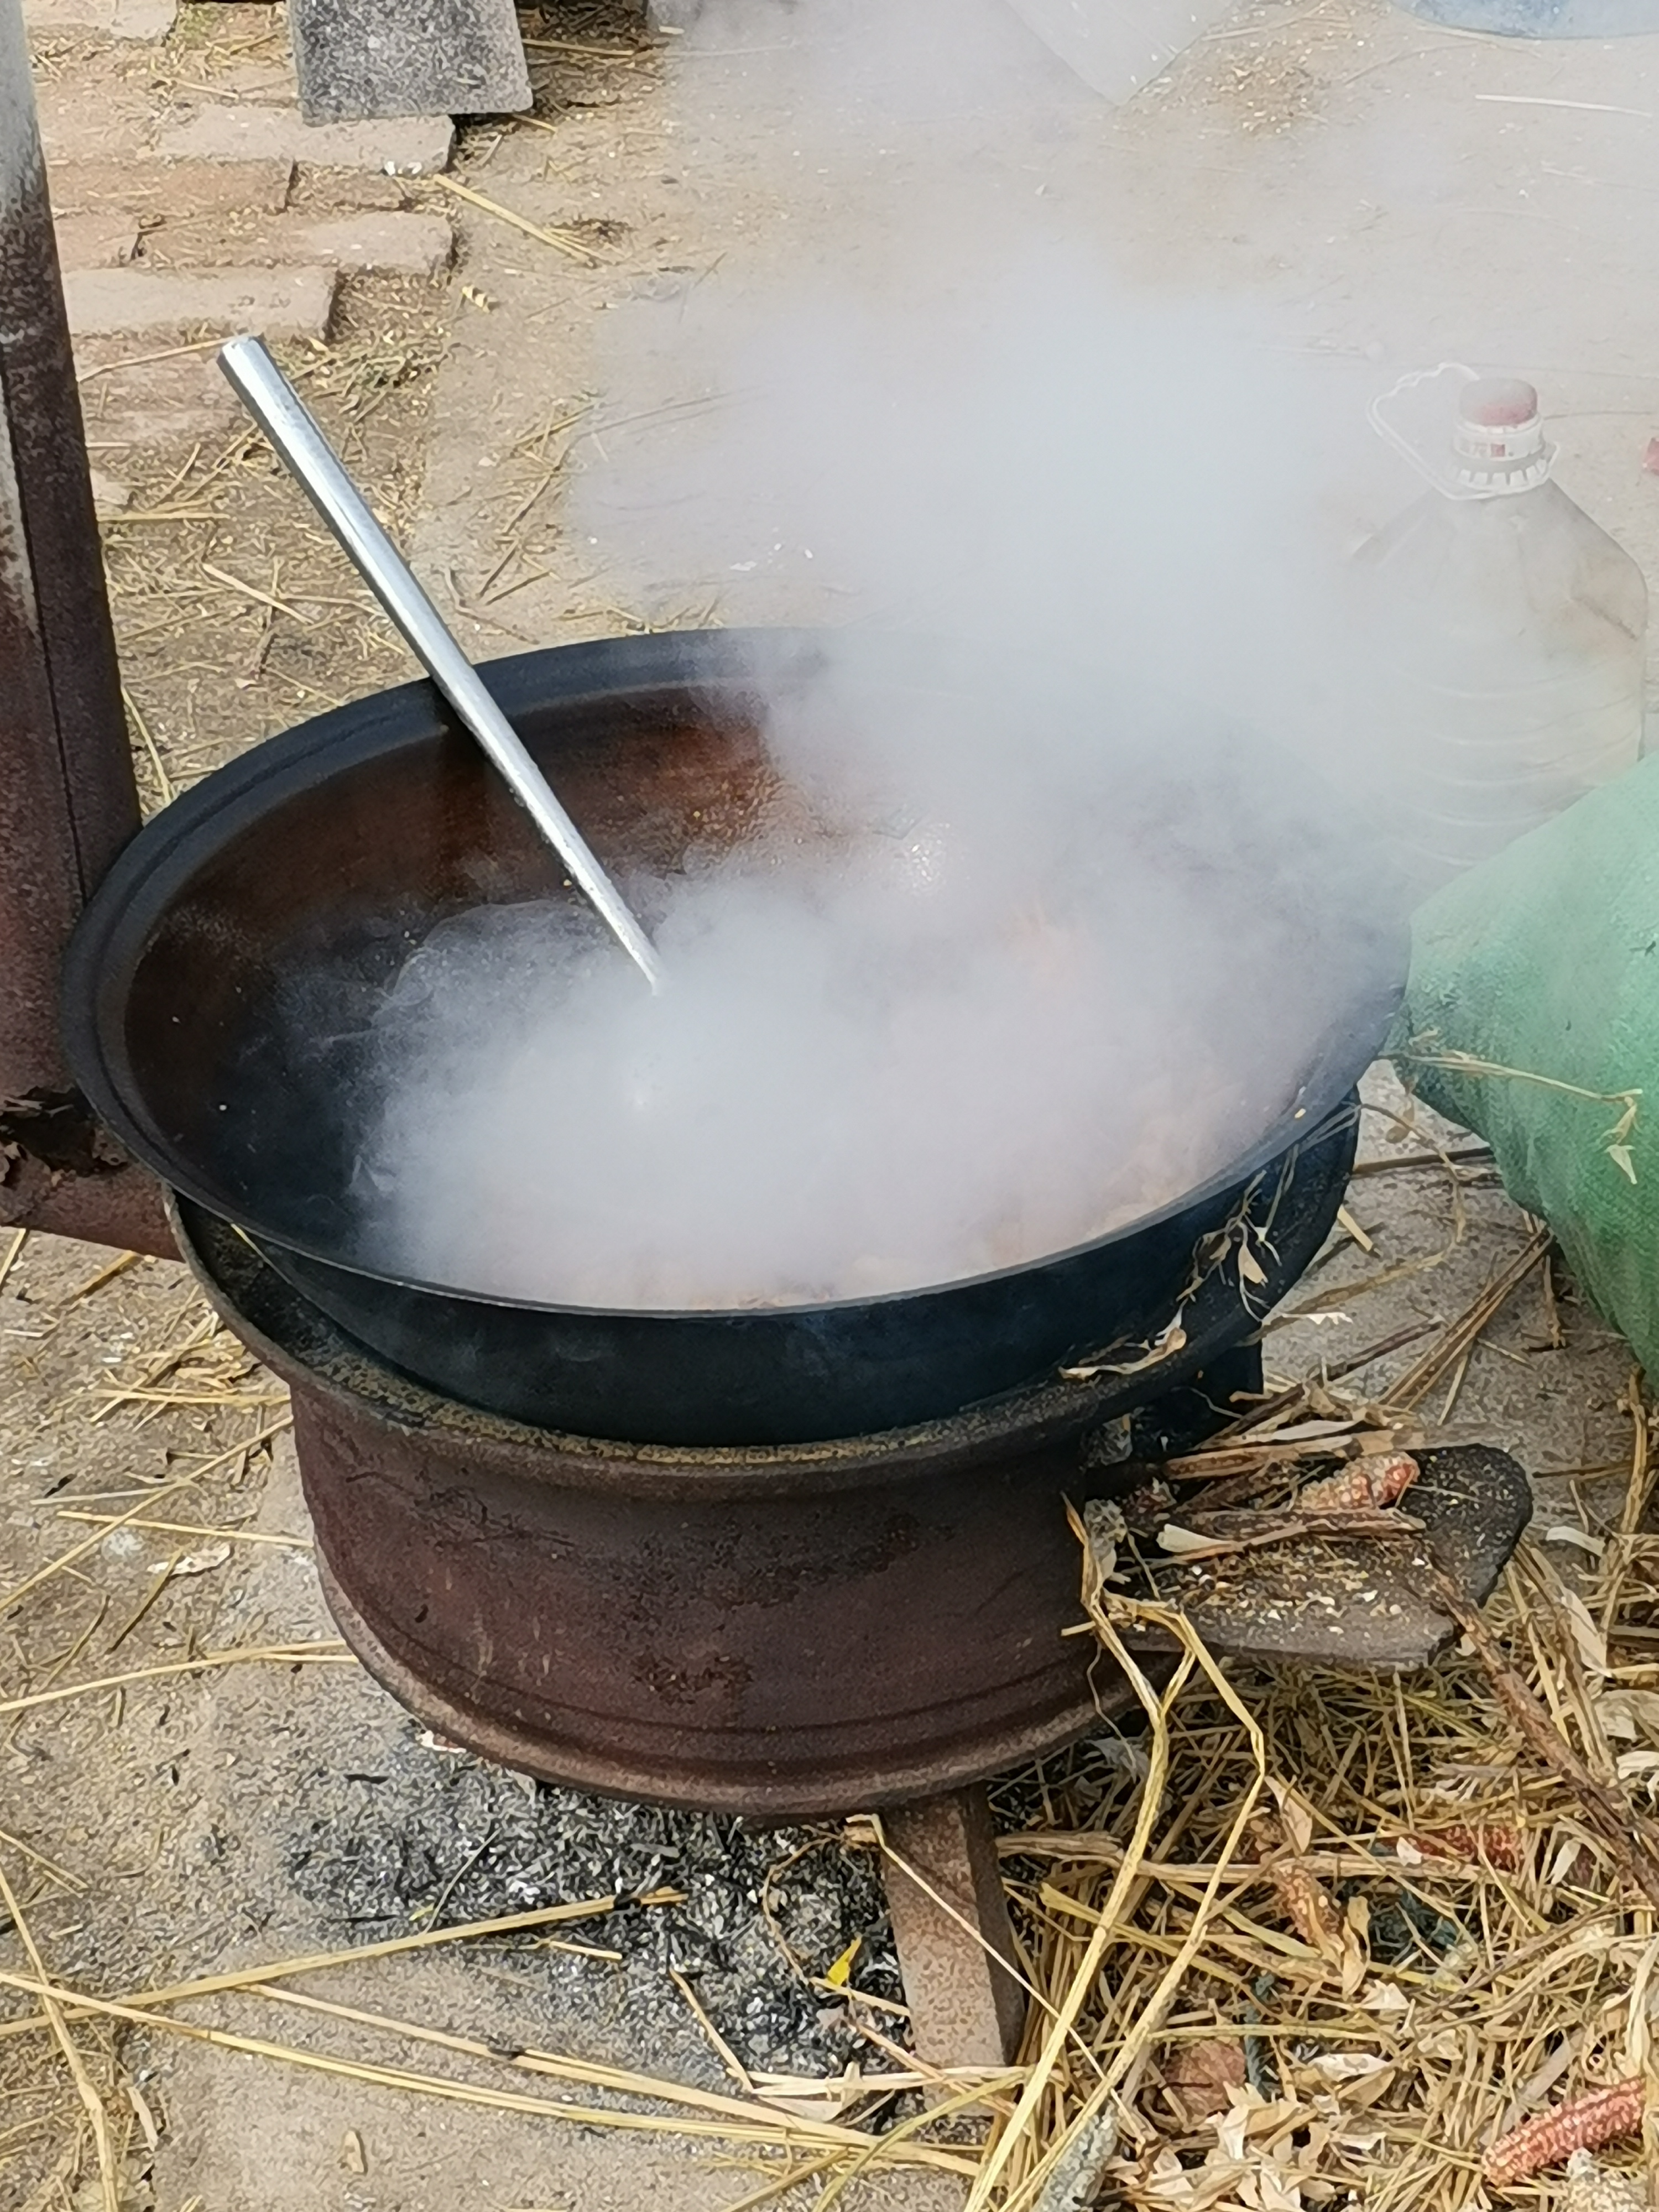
(217, 991)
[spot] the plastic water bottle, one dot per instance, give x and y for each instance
(1508, 634)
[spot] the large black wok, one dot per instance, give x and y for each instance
(217, 992)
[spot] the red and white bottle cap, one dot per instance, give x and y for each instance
(1472, 437)
(1499, 437)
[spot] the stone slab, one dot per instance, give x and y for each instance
(116, 123)
(412, 147)
(405, 245)
(401, 57)
(131, 403)
(272, 302)
(147, 21)
(169, 188)
(105, 240)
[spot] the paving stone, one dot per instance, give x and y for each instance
(147, 20)
(341, 192)
(136, 403)
(407, 58)
(114, 123)
(414, 245)
(142, 187)
(103, 239)
(413, 146)
(274, 303)
(406, 245)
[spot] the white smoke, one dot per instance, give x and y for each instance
(970, 995)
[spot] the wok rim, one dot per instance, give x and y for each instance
(115, 928)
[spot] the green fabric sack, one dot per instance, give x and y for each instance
(1542, 966)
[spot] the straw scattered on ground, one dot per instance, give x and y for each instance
(1292, 1938)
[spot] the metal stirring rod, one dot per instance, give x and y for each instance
(312, 461)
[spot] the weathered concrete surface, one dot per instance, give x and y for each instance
(406, 244)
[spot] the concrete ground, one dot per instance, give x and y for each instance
(1381, 193)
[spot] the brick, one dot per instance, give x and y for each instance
(412, 147)
(112, 122)
(404, 244)
(135, 403)
(149, 20)
(274, 303)
(169, 188)
(343, 191)
(102, 240)
(407, 245)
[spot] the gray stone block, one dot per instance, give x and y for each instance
(393, 58)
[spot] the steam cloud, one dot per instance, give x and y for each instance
(974, 993)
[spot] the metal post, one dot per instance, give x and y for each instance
(68, 799)
(952, 1930)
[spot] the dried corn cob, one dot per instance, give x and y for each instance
(1502, 1848)
(1374, 1482)
(1598, 2116)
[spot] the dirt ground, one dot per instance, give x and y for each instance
(178, 1823)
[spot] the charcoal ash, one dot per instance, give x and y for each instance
(434, 1838)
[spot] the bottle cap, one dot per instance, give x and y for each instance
(1470, 436)
(1499, 437)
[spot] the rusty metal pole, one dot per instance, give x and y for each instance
(951, 1929)
(68, 799)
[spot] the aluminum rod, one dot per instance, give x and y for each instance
(300, 443)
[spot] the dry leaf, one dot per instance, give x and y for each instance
(1630, 1716)
(1175, 1541)
(1295, 1816)
(1345, 2066)
(1592, 1644)
(1202, 2076)
(836, 1975)
(142, 2114)
(1592, 2188)
(1387, 1999)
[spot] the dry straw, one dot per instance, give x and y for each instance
(1444, 1931)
